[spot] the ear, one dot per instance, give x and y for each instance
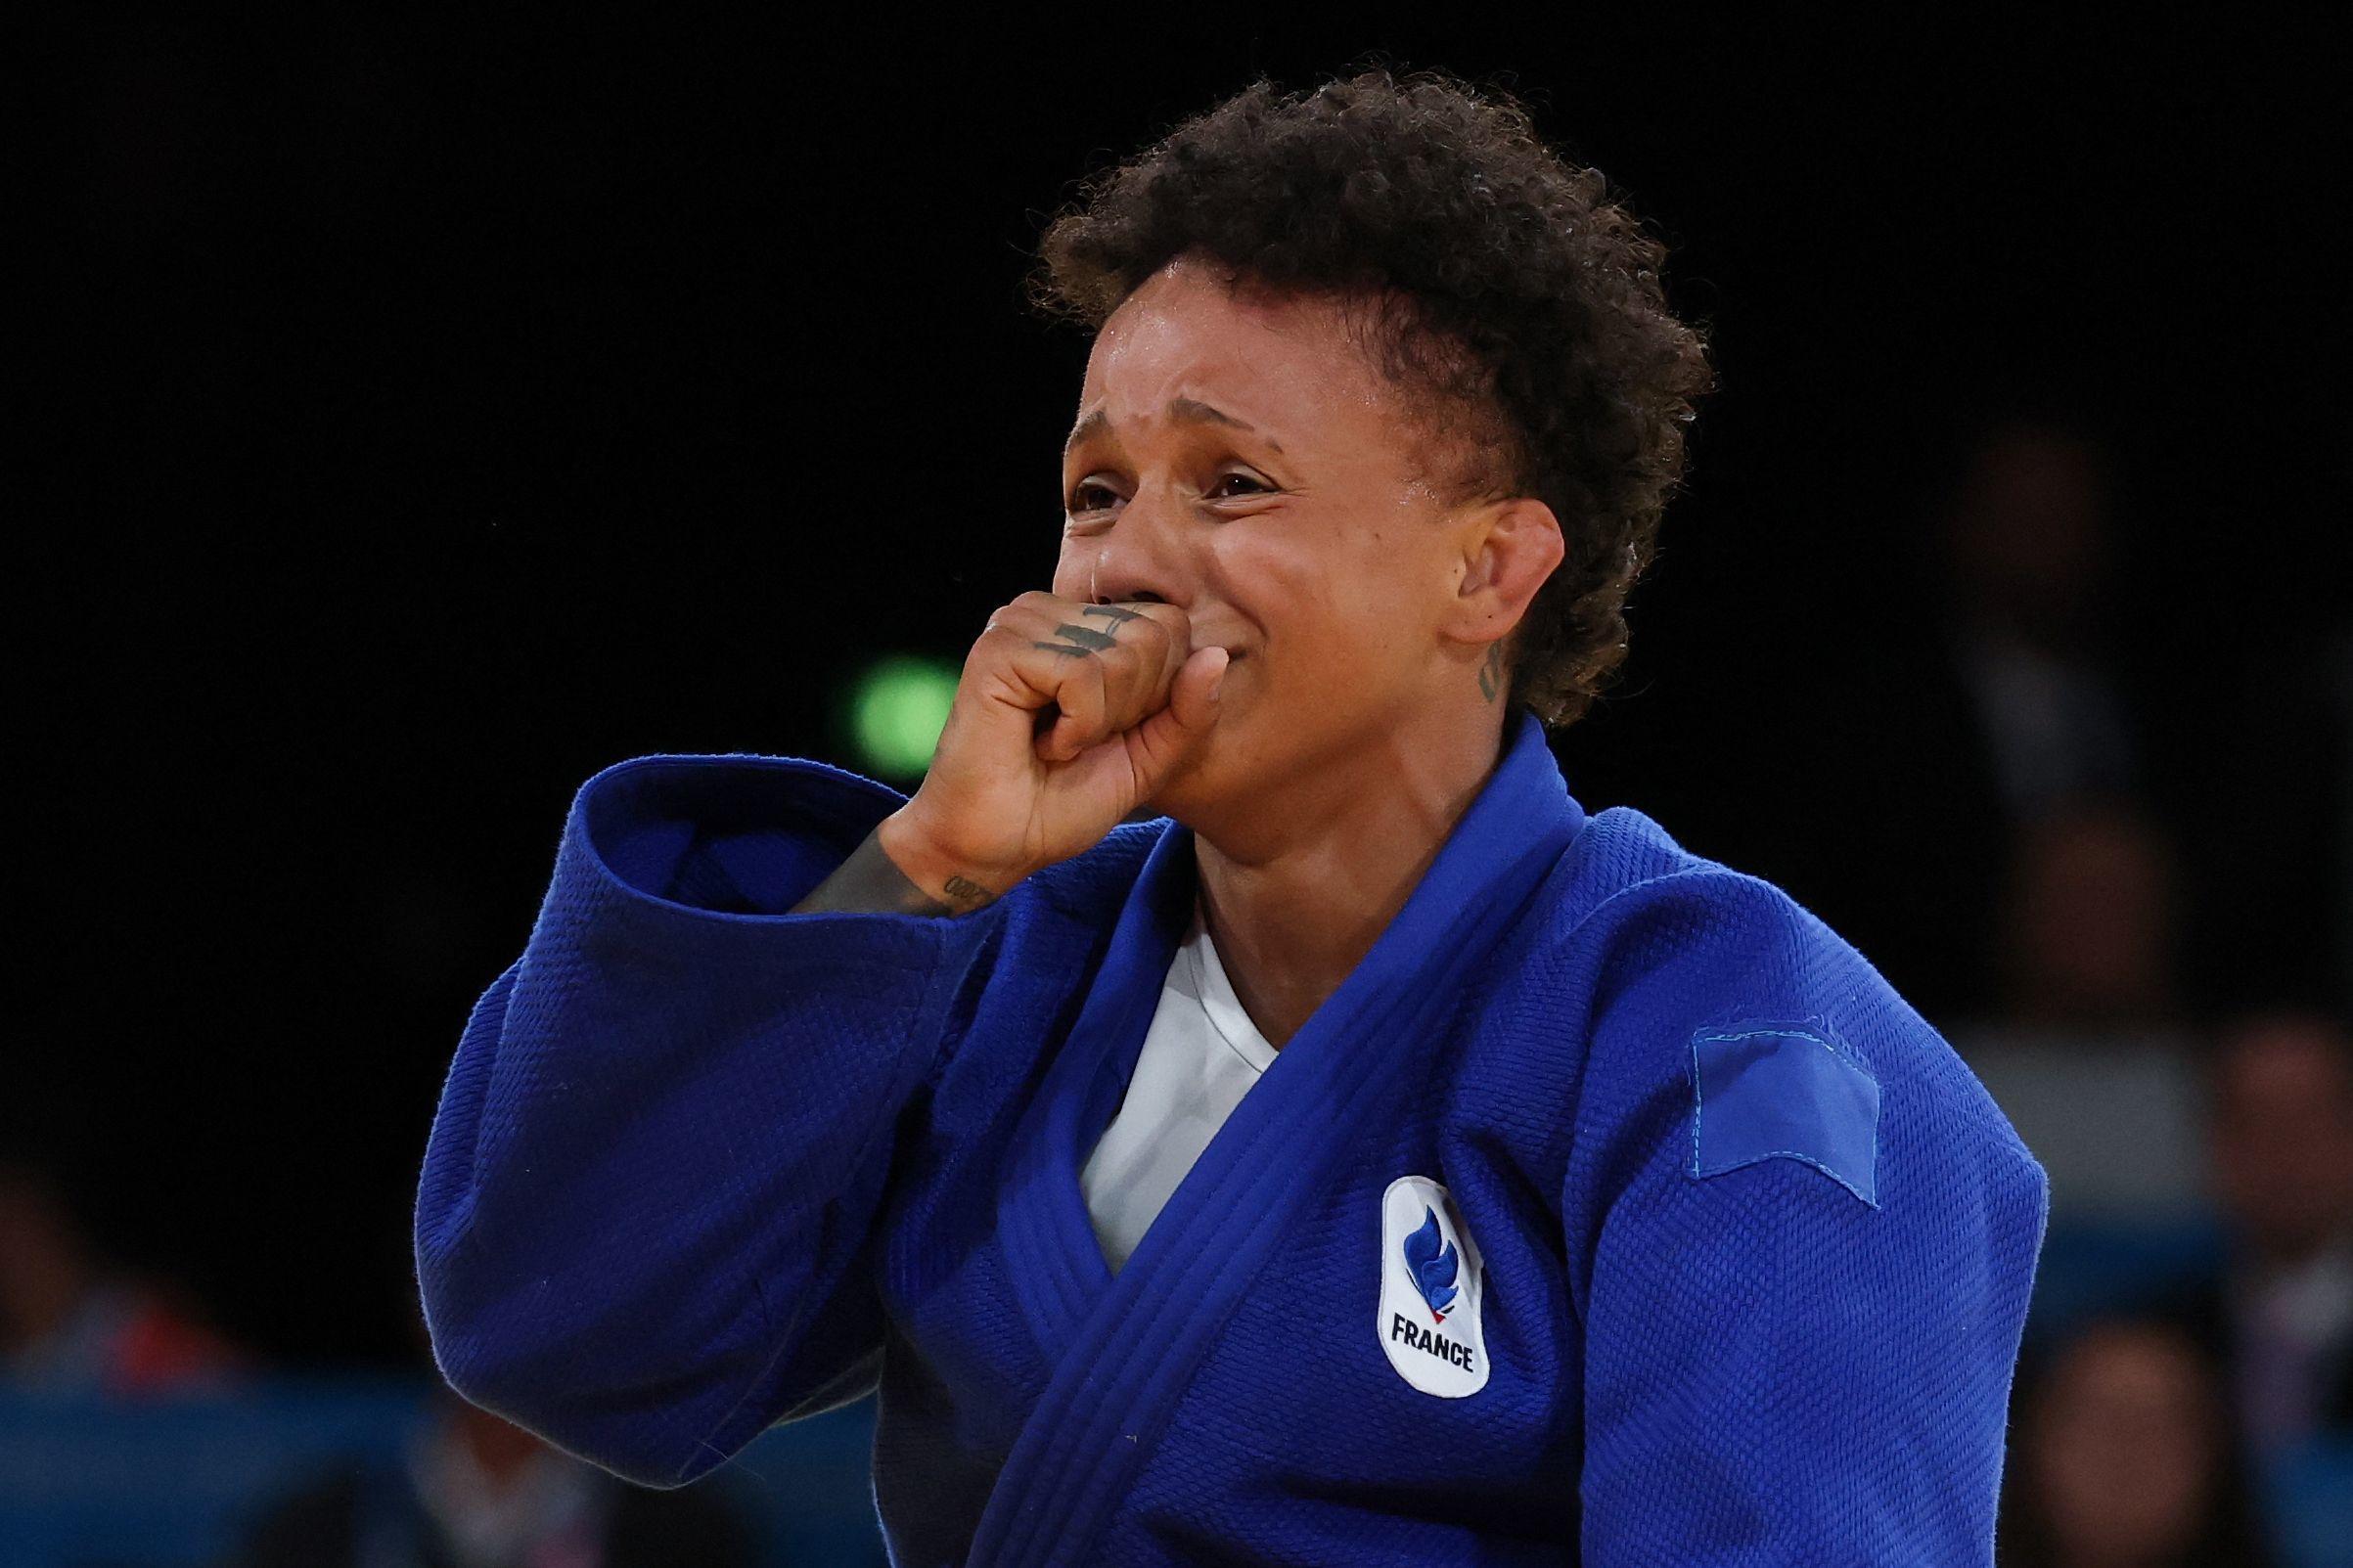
(1508, 549)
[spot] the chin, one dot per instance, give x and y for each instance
(1198, 789)
(1181, 797)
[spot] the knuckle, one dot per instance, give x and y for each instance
(1136, 688)
(1138, 630)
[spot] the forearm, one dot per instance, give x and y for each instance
(890, 874)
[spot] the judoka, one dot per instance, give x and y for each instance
(1242, 1107)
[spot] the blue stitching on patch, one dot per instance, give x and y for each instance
(1837, 1109)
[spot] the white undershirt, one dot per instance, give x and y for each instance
(1199, 1057)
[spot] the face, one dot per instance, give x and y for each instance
(2282, 1136)
(2031, 531)
(2091, 921)
(1239, 458)
(2121, 1450)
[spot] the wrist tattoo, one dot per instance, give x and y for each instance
(870, 882)
(963, 893)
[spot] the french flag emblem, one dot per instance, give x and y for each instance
(1429, 1263)
(1429, 1257)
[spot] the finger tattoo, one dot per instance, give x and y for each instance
(1086, 638)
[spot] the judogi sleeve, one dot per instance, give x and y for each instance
(641, 1227)
(1801, 1242)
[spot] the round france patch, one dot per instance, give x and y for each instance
(1430, 1288)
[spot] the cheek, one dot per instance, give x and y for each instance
(1329, 650)
(1285, 600)
(1332, 617)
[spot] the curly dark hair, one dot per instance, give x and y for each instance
(1519, 311)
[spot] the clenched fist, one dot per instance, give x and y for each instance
(1068, 716)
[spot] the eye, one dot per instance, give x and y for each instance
(1078, 500)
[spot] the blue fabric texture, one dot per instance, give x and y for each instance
(1761, 1091)
(701, 1166)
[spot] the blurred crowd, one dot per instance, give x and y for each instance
(468, 1489)
(2136, 935)
(2208, 1420)
(2036, 879)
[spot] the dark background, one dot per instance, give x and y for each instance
(424, 414)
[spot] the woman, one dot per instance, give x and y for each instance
(1361, 1156)
(2127, 1457)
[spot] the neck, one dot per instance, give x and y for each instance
(1296, 894)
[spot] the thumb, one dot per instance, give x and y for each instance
(1170, 738)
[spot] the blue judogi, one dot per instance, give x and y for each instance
(1712, 1251)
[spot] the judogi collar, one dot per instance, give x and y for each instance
(1124, 1347)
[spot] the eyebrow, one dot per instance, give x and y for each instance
(1181, 410)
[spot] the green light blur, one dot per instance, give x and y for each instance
(897, 709)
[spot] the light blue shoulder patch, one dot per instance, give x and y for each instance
(1761, 1091)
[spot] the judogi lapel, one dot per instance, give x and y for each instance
(1123, 1348)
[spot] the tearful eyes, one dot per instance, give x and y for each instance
(1078, 496)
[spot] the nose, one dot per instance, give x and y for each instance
(1138, 596)
(1136, 560)
(1095, 593)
